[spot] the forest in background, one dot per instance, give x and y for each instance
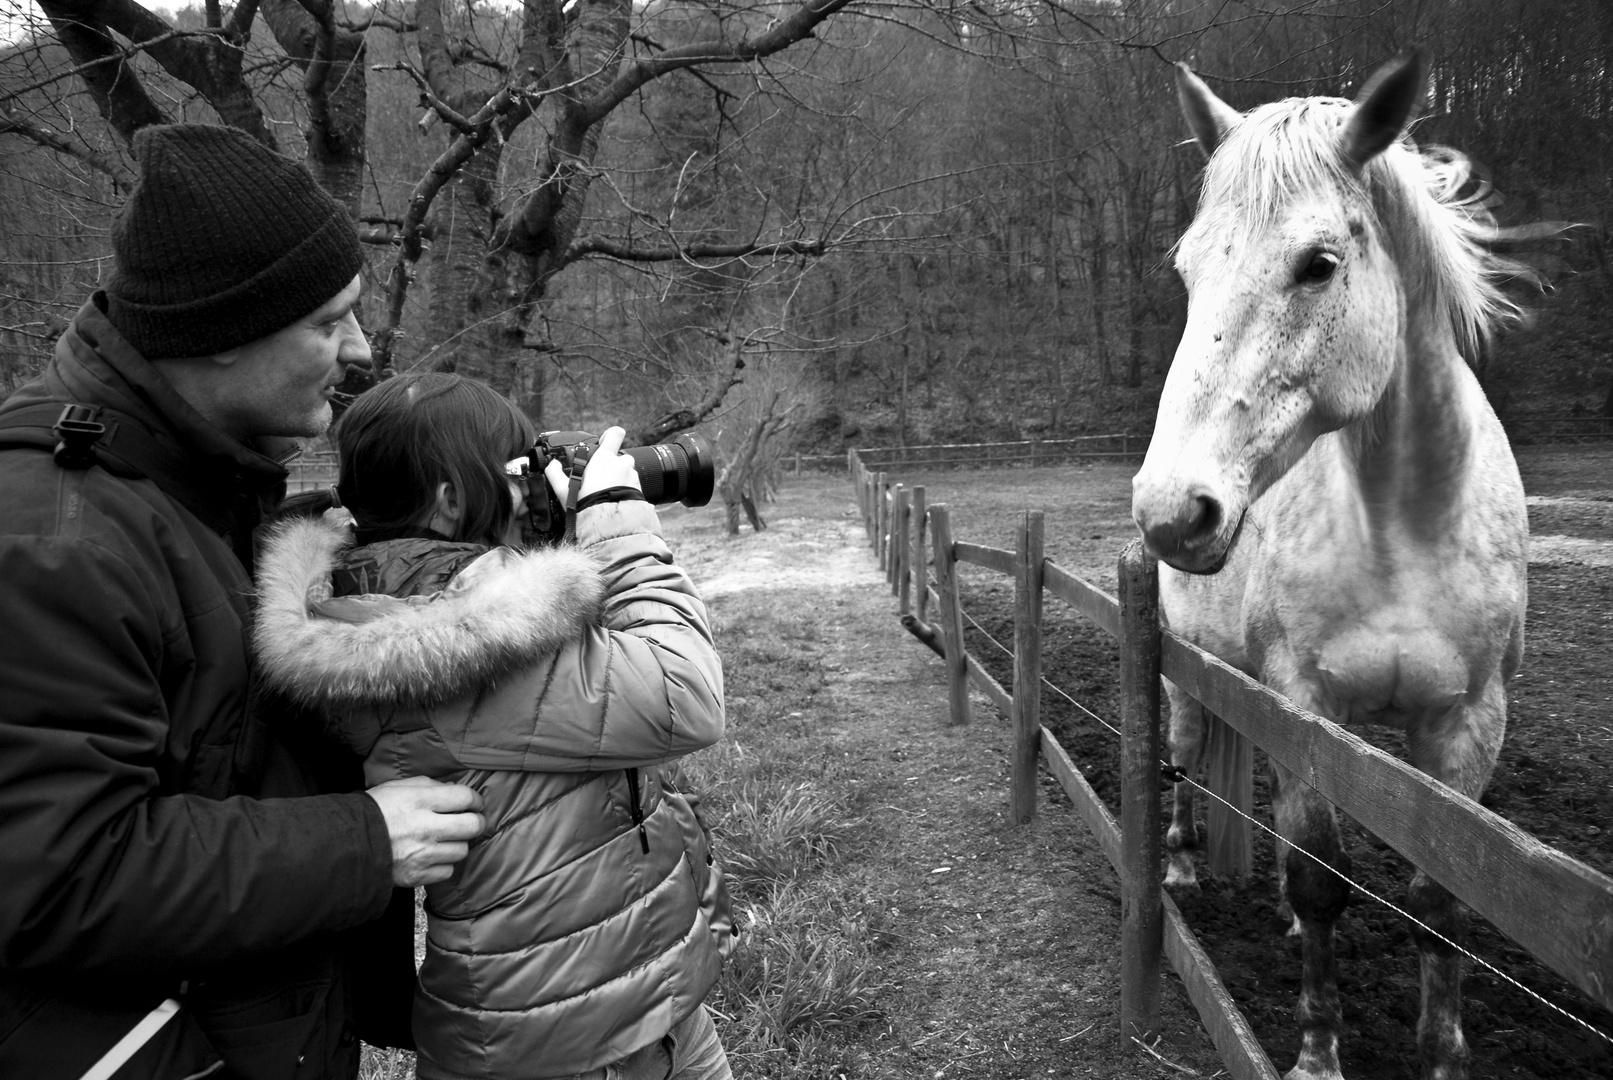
(810, 224)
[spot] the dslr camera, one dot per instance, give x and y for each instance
(679, 470)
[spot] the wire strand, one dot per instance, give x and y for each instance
(1598, 1032)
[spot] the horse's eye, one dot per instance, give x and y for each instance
(1321, 266)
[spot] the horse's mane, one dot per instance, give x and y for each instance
(1433, 212)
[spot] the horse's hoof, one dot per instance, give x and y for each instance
(1307, 1072)
(1181, 877)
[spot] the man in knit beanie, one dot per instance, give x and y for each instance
(191, 880)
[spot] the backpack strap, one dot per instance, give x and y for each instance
(79, 436)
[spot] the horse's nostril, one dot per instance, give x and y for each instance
(1208, 519)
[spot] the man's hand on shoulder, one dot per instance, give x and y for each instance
(430, 824)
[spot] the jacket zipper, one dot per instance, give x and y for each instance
(637, 808)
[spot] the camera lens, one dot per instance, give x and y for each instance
(676, 471)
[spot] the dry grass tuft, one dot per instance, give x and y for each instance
(803, 971)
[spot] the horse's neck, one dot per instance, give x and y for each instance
(1410, 454)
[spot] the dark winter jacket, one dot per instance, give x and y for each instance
(145, 846)
(588, 920)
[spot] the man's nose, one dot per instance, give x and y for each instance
(355, 348)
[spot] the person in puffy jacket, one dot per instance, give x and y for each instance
(583, 930)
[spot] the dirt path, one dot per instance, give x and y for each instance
(999, 944)
(1589, 521)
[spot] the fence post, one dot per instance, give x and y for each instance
(946, 584)
(862, 498)
(1027, 710)
(904, 551)
(1141, 917)
(897, 539)
(920, 571)
(882, 490)
(862, 495)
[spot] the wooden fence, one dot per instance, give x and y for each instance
(994, 454)
(1553, 429)
(1557, 908)
(311, 470)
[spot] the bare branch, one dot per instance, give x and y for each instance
(208, 61)
(122, 178)
(442, 170)
(781, 35)
(433, 42)
(428, 97)
(381, 19)
(113, 54)
(240, 22)
(317, 72)
(627, 252)
(683, 419)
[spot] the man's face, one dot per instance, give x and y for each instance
(281, 384)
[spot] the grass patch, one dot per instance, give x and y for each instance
(801, 982)
(802, 976)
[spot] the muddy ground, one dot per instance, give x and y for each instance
(1553, 780)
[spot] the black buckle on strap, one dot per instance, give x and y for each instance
(79, 431)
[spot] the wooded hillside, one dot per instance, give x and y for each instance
(876, 222)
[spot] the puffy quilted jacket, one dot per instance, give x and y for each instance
(589, 919)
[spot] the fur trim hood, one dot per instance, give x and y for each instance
(497, 614)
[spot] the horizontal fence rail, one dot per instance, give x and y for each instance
(1545, 429)
(1493, 866)
(311, 470)
(1555, 907)
(1022, 452)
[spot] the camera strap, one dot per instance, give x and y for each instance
(612, 495)
(573, 489)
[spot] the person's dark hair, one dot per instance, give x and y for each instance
(401, 439)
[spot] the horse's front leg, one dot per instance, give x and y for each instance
(1318, 897)
(1458, 748)
(1186, 739)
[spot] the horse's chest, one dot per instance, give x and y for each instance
(1367, 674)
(1389, 652)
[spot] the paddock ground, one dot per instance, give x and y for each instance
(1552, 778)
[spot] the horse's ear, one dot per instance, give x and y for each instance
(1208, 116)
(1384, 107)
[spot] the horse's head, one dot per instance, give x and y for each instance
(1295, 307)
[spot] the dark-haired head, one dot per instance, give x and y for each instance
(401, 441)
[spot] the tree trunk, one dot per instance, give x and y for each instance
(901, 400)
(462, 217)
(1100, 283)
(335, 135)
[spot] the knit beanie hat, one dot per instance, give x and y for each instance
(222, 242)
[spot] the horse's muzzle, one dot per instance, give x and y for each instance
(1188, 533)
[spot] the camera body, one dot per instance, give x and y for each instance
(679, 470)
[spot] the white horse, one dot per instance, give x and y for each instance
(1336, 503)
